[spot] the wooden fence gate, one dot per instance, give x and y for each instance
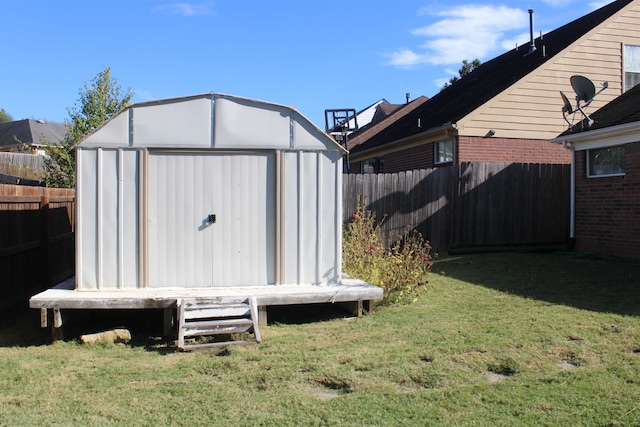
(469, 205)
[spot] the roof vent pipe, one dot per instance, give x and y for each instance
(408, 95)
(532, 45)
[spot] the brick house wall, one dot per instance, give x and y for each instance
(607, 209)
(420, 157)
(478, 149)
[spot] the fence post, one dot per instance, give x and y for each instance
(45, 240)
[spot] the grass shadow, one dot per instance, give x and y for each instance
(573, 279)
(20, 326)
(307, 313)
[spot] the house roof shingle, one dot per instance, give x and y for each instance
(490, 79)
(30, 132)
(389, 116)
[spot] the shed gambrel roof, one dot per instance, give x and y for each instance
(211, 121)
(489, 80)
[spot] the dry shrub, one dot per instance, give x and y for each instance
(400, 267)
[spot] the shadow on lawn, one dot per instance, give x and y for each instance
(20, 326)
(569, 278)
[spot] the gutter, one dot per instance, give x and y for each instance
(620, 134)
(410, 141)
(572, 196)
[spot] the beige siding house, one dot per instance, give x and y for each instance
(509, 107)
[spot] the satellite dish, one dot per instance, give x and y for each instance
(583, 87)
(585, 92)
(567, 105)
(566, 109)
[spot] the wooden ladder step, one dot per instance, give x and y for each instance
(218, 316)
(234, 310)
(213, 327)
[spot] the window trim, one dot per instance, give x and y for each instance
(435, 151)
(588, 163)
(624, 70)
(375, 163)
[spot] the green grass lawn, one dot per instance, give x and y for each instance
(498, 340)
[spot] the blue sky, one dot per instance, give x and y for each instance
(309, 54)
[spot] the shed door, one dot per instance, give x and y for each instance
(185, 250)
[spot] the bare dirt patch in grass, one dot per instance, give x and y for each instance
(567, 366)
(330, 388)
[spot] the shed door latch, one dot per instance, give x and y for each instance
(211, 219)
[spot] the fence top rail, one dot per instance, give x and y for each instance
(35, 199)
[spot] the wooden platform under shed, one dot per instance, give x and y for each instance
(64, 296)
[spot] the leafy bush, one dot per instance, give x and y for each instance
(400, 267)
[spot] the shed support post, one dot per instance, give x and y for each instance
(358, 308)
(56, 330)
(43, 317)
(262, 315)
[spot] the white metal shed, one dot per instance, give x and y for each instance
(208, 191)
(206, 198)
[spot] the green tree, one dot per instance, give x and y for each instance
(5, 117)
(98, 102)
(466, 68)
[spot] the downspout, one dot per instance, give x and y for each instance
(572, 197)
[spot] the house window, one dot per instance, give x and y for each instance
(607, 161)
(443, 151)
(631, 60)
(373, 165)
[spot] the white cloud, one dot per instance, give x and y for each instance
(142, 95)
(185, 9)
(556, 3)
(405, 58)
(462, 32)
(598, 4)
(593, 5)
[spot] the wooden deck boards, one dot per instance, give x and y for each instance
(64, 295)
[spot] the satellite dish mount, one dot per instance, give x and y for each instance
(585, 92)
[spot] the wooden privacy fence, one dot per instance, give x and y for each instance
(468, 205)
(36, 240)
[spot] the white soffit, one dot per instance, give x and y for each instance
(242, 123)
(605, 137)
(115, 133)
(173, 124)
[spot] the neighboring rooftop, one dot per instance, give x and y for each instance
(386, 115)
(490, 79)
(30, 132)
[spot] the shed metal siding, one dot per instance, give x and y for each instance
(149, 178)
(154, 125)
(239, 248)
(239, 125)
(107, 232)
